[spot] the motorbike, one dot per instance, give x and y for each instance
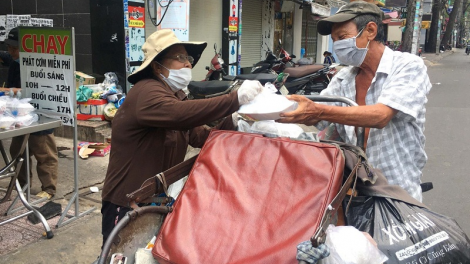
(302, 79)
(273, 64)
(309, 79)
(216, 70)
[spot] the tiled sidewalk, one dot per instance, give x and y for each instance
(22, 232)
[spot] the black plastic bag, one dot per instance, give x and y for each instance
(409, 234)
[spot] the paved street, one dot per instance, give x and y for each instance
(448, 148)
(448, 138)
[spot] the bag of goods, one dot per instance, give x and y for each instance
(407, 233)
(26, 120)
(7, 122)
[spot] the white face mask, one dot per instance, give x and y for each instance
(177, 79)
(348, 52)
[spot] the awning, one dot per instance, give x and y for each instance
(320, 10)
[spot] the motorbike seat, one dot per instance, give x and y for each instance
(204, 88)
(261, 77)
(229, 77)
(301, 71)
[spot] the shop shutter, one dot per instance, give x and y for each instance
(309, 34)
(251, 38)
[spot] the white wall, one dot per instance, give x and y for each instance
(394, 33)
(297, 31)
(205, 24)
(322, 46)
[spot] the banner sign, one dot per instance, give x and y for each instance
(135, 34)
(7, 22)
(47, 71)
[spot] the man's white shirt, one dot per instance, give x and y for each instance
(402, 83)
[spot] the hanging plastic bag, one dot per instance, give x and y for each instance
(408, 233)
(350, 246)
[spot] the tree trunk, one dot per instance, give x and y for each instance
(450, 26)
(434, 29)
(465, 6)
(410, 18)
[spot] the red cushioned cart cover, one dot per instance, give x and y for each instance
(250, 199)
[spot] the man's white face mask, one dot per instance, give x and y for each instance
(348, 52)
(177, 79)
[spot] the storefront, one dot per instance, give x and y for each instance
(252, 36)
(309, 35)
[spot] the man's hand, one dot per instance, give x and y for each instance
(306, 113)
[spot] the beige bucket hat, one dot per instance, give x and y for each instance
(160, 41)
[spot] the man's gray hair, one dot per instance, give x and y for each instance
(362, 20)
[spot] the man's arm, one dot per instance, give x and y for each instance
(310, 113)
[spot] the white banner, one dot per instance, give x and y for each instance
(48, 79)
(47, 71)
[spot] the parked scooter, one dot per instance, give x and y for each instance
(270, 64)
(273, 64)
(309, 79)
(216, 70)
(203, 90)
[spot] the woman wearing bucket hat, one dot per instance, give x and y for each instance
(155, 124)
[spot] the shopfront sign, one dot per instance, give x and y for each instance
(134, 30)
(47, 71)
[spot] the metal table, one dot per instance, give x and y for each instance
(13, 166)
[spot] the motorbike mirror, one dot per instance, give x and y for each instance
(280, 42)
(293, 56)
(215, 46)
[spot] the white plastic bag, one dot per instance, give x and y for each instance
(24, 107)
(175, 188)
(350, 246)
(3, 105)
(267, 105)
(26, 120)
(274, 129)
(268, 127)
(7, 122)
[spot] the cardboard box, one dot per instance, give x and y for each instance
(86, 149)
(91, 110)
(83, 79)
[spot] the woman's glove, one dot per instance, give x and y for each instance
(248, 91)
